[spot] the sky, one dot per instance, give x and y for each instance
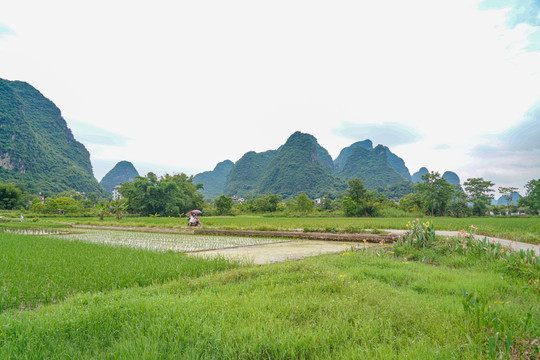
(178, 86)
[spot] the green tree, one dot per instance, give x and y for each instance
(10, 196)
(169, 195)
(62, 205)
(411, 202)
(479, 194)
(458, 206)
(531, 199)
(266, 203)
(70, 194)
(304, 204)
(358, 201)
(223, 205)
(436, 192)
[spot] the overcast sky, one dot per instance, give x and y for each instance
(178, 86)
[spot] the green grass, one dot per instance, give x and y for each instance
(40, 270)
(358, 304)
(525, 229)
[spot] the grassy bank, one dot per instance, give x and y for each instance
(357, 304)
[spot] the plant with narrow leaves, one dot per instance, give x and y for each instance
(102, 210)
(418, 234)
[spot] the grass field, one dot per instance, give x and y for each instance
(398, 303)
(525, 229)
(41, 270)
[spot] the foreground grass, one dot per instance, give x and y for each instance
(357, 304)
(40, 270)
(525, 229)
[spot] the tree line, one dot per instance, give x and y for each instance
(174, 195)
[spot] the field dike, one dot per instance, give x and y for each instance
(296, 234)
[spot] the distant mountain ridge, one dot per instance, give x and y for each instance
(371, 165)
(303, 165)
(450, 176)
(122, 172)
(37, 149)
(214, 181)
(503, 201)
(300, 166)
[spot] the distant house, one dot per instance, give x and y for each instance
(116, 193)
(238, 199)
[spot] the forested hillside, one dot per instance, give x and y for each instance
(370, 166)
(247, 172)
(37, 150)
(214, 181)
(122, 172)
(302, 165)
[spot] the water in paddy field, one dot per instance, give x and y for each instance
(149, 241)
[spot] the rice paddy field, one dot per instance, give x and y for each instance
(42, 267)
(66, 295)
(523, 228)
(154, 241)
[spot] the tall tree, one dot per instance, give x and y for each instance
(532, 198)
(266, 203)
(479, 193)
(358, 201)
(170, 195)
(10, 196)
(304, 204)
(223, 204)
(436, 192)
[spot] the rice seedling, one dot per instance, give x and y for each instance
(49, 268)
(165, 241)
